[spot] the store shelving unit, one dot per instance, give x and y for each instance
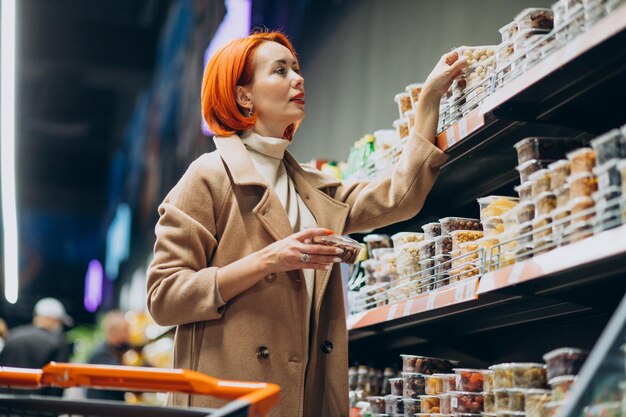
(563, 297)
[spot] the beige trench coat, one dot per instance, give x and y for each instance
(220, 211)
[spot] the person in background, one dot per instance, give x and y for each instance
(4, 333)
(234, 265)
(110, 352)
(35, 345)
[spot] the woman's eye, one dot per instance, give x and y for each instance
(296, 70)
(280, 70)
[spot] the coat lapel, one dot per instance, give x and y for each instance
(269, 211)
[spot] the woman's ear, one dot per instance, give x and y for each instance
(243, 97)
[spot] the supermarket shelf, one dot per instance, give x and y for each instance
(549, 285)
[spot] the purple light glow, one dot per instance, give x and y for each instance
(93, 286)
(236, 24)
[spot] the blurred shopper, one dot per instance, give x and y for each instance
(4, 333)
(110, 352)
(233, 263)
(43, 341)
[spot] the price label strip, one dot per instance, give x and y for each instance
(392, 312)
(430, 302)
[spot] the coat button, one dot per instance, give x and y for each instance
(271, 277)
(263, 352)
(327, 347)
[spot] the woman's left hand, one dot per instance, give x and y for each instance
(447, 69)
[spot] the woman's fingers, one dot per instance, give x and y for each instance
(320, 249)
(322, 259)
(311, 233)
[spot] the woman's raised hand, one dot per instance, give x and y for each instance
(447, 69)
(297, 252)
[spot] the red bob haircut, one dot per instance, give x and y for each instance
(232, 66)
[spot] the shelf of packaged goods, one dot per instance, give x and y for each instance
(544, 286)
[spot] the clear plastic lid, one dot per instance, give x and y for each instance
(399, 122)
(564, 351)
(400, 96)
(492, 198)
(579, 175)
(545, 194)
(579, 152)
(380, 252)
(560, 164)
(525, 186)
(563, 379)
(412, 374)
(539, 174)
(375, 238)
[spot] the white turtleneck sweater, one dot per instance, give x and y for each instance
(267, 156)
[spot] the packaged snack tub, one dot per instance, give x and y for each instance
(608, 175)
(502, 376)
(540, 182)
(466, 402)
(542, 228)
(577, 231)
(525, 212)
(427, 249)
(443, 245)
(561, 385)
(580, 209)
(469, 248)
(376, 241)
(351, 248)
(408, 257)
(508, 31)
(559, 224)
(413, 385)
(544, 203)
(469, 380)
(410, 116)
(582, 184)
(389, 264)
(582, 160)
(528, 41)
(544, 148)
(402, 127)
(476, 73)
(425, 365)
(411, 406)
(414, 90)
(427, 276)
(444, 403)
(394, 405)
(487, 380)
(430, 404)
(442, 268)
(404, 102)
(535, 401)
(562, 196)
(528, 375)
(564, 361)
(559, 11)
(401, 238)
(517, 398)
(377, 404)
(509, 220)
(380, 252)
(607, 204)
(524, 191)
(396, 385)
(496, 205)
(463, 236)
(530, 167)
(610, 145)
(449, 382)
(525, 234)
(501, 397)
(477, 54)
(450, 224)
(535, 18)
(434, 384)
(489, 402)
(504, 54)
(431, 230)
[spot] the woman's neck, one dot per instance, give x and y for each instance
(274, 131)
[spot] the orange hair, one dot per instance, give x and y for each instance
(229, 67)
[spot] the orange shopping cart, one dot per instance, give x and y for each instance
(249, 399)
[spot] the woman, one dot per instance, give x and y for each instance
(252, 299)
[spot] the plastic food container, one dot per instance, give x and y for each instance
(444, 403)
(413, 385)
(606, 409)
(404, 102)
(376, 242)
(463, 236)
(469, 380)
(525, 237)
(443, 245)
(544, 148)
(559, 224)
(502, 376)
(517, 398)
(582, 159)
(434, 384)
(431, 230)
(427, 275)
(351, 248)
(487, 380)
(562, 196)
(411, 406)
(504, 54)
(578, 231)
(529, 41)
(559, 172)
(401, 238)
(510, 219)
(425, 365)
(564, 361)
(621, 167)
(524, 191)
(410, 116)
(402, 127)
(394, 405)
(380, 252)
(449, 382)
(529, 167)
(493, 226)
(478, 72)
(414, 90)
(540, 182)
(535, 401)
(501, 396)
(466, 402)
(525, 212)
(396, 385)
(559, 11)
(442, 268)
(408, 257)
(582, 185)
(544, 203)
(608, 175)
(528, 375)
(610, 145)
(489, 402)
(427, 249)
(535, 18)
(377, 404)
(580, 205)
(430, 404)
(561, 385)
(450, 224)
(541, 228)
(508, 31)
(388, 264)
(496, 205)
(477, 54)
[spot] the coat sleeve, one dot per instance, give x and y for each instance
(182, 287)
(397, 197)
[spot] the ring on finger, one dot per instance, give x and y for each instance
(305, 258)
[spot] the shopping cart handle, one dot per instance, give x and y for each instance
(20, 377)
(260, 396)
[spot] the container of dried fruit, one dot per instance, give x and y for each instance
(444, 403)
(427, 249)
(434, 384)
(425, 365)
(376, 241)
(561, 386)
(443, 245)
(559, 171)
(414, 90)
(450, 224)
(487, 380)
(411, 406)
(394, 405)
(489, 399)
(377, 404)
(544, 203)
(413, 385)
(529, 167)
(524, 191)
(470, 249)
(528, 375)
(535, 401)
(540, 182)
(502, 376)
(427, 275)
(396, 385)
(431, 230)
(442, 268)
(407, 258)
(577, 231)
(504, 54)
(582, 159)
(582, 185)
(517, 398)
(470, 380)
(562, 196)
(560, 222)
(607, 204)
(402, 127)
(403, 100)
(501, 397)
(564, 361)
(405, 237)
(535, 18)
(610, 145)
(525, 212)
(449, 382)
(389, 265)
(466, 402)
(430, 404)
(496, 205)
(544, 148)
(508, 31)
(581, 210)
(463, 236)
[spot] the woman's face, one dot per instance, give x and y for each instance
(277, 89)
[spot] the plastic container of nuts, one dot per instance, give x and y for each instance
(544, 148)
(443, 245)
(402, 127)
(561, 385)
(463, 236)
(610, 145)
(466, 402)
(377, 404)
(535, 18)
(559, 172)
(564, 361)
(517, 398)
(429, 404)
(501, 398)
(528, 375)
(380, 252)
(444, 403)
(582, 159)
(425, 365)
(351, 248)
(470, 380)
(508, 31)
(478, 72)
(496, 205)
(527, 40)
(487, 380)
(427, 249)
(431, 230)
(524, 191)
(450, 224)
(577, 231)
(502, 376)
(525, 212)
(544, 203)
(394, 405)
(376, 241)
(493, 226)
(414, 90)
(535, 400)
(562, 196)
(396, 385)
(505, 53)
(401, 238)
(529, 167)
(404, 102)
(582, 184)
(477, 54)
(413, 385)
(540, 181)
(407, 258)
(411, 406)
(542, 228)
